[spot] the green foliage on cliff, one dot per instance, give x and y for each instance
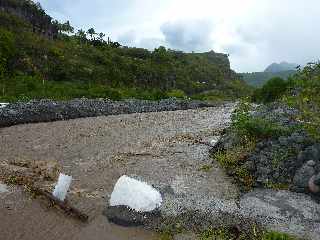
(84, 64)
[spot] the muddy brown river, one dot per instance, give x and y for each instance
(164, 146)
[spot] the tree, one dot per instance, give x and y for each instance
(63, 27)
(101, 36)
(66, 27)
(7, 51)
(92, 33)
(82, 36)
(271, 90)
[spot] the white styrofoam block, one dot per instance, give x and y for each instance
(62, 187)
(2, 105)
(214, 140)
(3, 188)
(135, 194)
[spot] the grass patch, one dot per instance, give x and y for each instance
(166, 236)
(276, 186)
(233, 159)
(277, 236)
(252, 234)
(247, 125)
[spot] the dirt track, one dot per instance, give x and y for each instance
(161, 147)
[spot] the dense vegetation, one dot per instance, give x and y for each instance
(257, 79)
(300, 91)
(83, 64)
(271, 91)
(303, 94)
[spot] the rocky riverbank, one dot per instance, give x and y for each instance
(289, 159)
(48, 110)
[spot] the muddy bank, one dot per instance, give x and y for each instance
(48, 110)
(162, 147)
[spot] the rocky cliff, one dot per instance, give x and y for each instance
(32, 13)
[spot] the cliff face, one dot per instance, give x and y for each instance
(222, 61)
(32, 13)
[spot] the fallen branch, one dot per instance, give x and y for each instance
(64, 205)
(28, 182)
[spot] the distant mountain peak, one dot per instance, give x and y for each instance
(281, 67)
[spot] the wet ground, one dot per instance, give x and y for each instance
(165, 148)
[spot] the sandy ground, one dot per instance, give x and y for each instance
(161, 147)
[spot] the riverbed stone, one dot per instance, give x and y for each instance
(302, 177)
(292, 213)
(127, 217)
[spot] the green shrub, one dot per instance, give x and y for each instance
(255, 127)
(270, 91)
(304, 95)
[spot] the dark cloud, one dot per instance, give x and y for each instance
(189, 35)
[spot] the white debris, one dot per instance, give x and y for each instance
(61, 189)
(2, 105)
(135, 194)
(3, 188)
(214, 141)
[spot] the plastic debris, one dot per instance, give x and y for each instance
(3, 188)
(62, 187)
(135, 194)
(2, 105)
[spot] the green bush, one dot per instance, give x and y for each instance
(247, 125)
(304, 96)
(270, 91)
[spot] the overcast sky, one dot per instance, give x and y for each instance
(254, 32)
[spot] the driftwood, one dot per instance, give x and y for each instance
(64, 205)
(28, 181)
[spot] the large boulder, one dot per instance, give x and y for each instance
(302, 177)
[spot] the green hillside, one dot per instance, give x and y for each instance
(257, 79)
(46, 59)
